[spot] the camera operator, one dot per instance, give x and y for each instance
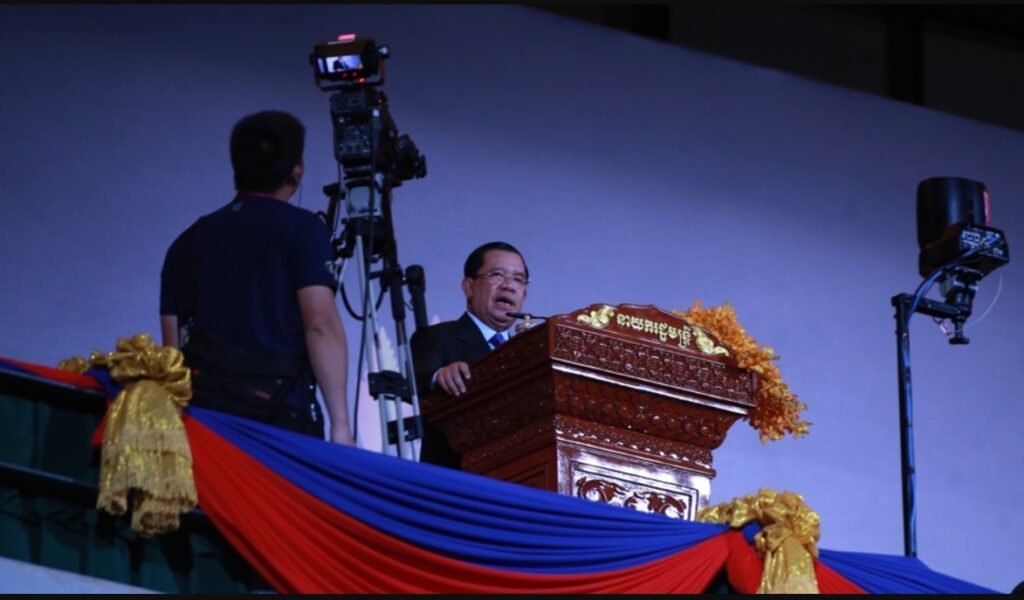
(247, 292)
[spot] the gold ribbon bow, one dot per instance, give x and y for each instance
(786, 542)
(145, 455)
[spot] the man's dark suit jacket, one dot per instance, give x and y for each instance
(433, 348)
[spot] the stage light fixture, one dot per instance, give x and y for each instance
(958, 249)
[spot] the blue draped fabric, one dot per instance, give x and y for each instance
(501, 525)
(488, 523)
(110, 386)
(885, 574)
(461, 515)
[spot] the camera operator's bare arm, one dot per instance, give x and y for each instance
(328, 353)
(169, 330)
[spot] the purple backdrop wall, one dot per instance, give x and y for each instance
(624, 169)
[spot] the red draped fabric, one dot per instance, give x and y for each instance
(301, 544)
(321, 550)
(68, 377)
(830, 582)
(743, 567)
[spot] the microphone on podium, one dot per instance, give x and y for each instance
(527, 320)
(525, 316)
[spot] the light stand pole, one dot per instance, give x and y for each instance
(905, 308)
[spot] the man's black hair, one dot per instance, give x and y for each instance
(476, 258)
(265, 147)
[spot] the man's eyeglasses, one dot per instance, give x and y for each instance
(498, 277)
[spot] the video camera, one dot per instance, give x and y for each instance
(366, 140)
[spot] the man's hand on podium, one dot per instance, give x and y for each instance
(452, 378)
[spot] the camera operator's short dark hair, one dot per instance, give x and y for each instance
(476, 258)
(265, 147)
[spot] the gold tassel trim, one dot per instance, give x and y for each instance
(146, 462)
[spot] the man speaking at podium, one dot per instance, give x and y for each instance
(494, 283)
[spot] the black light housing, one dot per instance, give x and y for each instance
(953, 215)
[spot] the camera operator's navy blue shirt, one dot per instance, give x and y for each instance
(250, 258)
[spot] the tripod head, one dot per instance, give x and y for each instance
(958, 287)
(359, 220)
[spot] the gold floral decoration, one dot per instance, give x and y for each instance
(787, 542)
(777, 410)
(145, 460)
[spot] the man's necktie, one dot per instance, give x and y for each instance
(497, 340)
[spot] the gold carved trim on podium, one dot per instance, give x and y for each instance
(598, 319)
(601, 318)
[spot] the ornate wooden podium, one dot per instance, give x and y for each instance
(622, 405)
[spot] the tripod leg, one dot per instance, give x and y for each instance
(380, 360)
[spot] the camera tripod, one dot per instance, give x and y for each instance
(367, 236)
